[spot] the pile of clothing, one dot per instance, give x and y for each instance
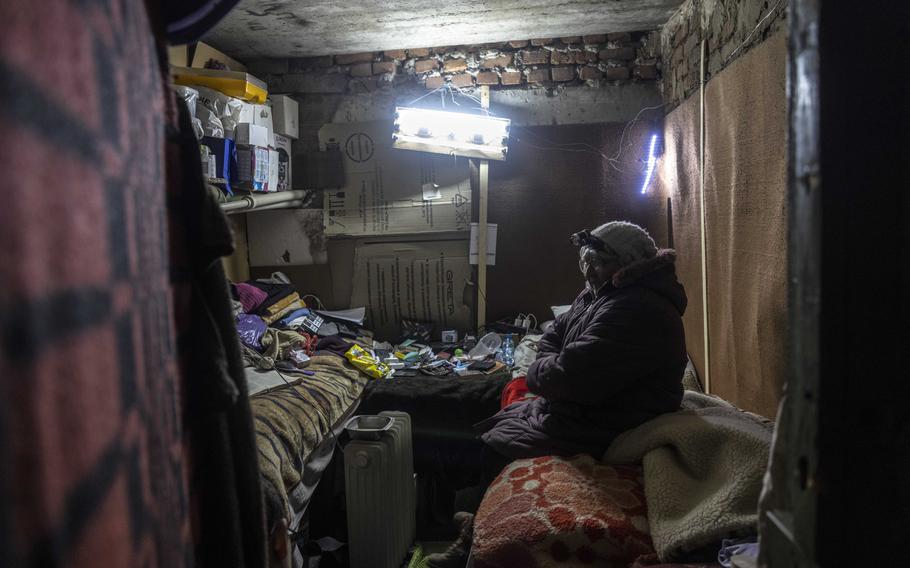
(279, 331)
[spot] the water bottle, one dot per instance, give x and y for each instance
(507, 351)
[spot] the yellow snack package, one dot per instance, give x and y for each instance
(367, 364)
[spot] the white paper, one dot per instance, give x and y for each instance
(264, 381)
(492, 229)
(353, 315)
(431, 191)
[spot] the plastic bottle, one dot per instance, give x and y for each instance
(507, 351)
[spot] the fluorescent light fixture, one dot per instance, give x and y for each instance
(451, 133)
(652, 161)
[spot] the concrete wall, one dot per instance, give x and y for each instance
(730, 28)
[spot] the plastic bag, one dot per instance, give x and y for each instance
(211, 124)
(197, 128)
(222, 105)
(190, 96)
(366, 363)
(250, 328)
(229, 125)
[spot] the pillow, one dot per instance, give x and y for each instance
(553, 511)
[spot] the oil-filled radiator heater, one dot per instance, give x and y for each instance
(379, 488)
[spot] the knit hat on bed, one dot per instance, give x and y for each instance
(626, 241)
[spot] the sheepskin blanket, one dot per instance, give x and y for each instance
(703, 469)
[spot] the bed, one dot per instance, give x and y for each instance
(297, 427)
(667, 491)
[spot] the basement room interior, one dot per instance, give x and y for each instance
(491, 284)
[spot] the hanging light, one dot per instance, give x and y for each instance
(652, 162)
(451, 133)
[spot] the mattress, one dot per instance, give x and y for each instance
(297, 427)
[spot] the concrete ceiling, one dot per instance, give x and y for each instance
(294, 28)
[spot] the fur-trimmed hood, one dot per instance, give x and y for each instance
(657, 274)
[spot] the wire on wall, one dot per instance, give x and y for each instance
(581, 147)
(755, 29)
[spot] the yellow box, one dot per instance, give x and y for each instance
(232, 83)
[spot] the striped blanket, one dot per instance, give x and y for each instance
(291, 422)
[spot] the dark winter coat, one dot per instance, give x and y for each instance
(612, 362)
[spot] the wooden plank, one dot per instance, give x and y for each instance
(482, 226)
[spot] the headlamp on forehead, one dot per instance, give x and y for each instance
(586, 239)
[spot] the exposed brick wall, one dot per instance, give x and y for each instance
(724, 25)
(588, 61)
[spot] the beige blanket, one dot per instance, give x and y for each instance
(703, 469)
(291, 422)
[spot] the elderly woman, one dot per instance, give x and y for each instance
(612, 362)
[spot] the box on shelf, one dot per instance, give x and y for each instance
(225, 153)
(203, 53)
(251, 135)
(284, 116)
(233, 83)
(209, 164)
(252, 168)
(283, 147)
(273, 171)
(260, 115)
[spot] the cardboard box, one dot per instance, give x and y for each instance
(178, 55)
(251, 135)
(388, 191)
(260, 115)
(285, 116)
(252, 168)
(421, 281)
(283, 147)
(273, 171)
(202, 52)
(225, 153)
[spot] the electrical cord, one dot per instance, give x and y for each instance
(566, 147)
(319, 304)
(748, 37)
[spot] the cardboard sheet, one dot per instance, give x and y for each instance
(421, 281)
(385, 188)
(287, 237)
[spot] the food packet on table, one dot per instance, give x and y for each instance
(368, 365)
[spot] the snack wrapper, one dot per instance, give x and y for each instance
(366, 363)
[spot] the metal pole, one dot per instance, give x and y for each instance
(258, 201)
